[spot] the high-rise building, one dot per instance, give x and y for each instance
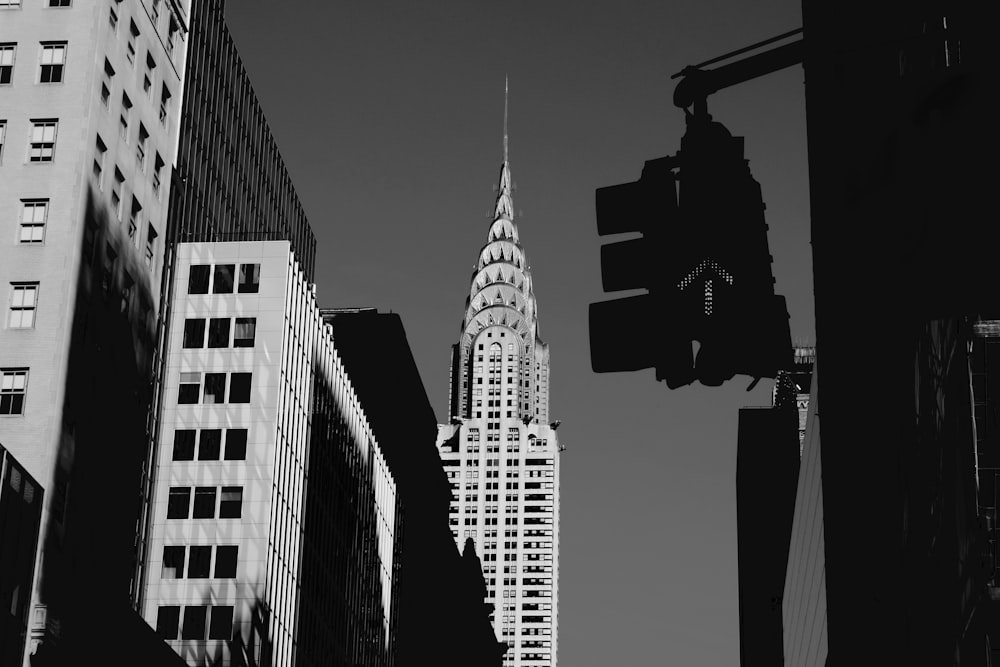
(500, 451)
(88, 130)
(272, 537)
(436, 580)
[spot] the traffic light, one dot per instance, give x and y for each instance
(703, 257)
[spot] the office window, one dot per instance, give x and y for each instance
(190, 388)
(172, 31)
(147, 86)
(150, 244)
(7, 62)
(133, 32)
(113, 20)
(173, 563)
(135, 211)
(42, 147)
(60, 3)
(194, 332)
(33, 215)
(221, 626)
(164, 104)
(209, 444)
(231, 504)
(178, 502)
(236, 444)
(222, 282)
(246, 328)
(53, 61)
(200, 563)
(194, 622)
(116, 193)
(140, 148)
(167, 621)
(198, 279)
(125, 116)
(10, 4)
(3, 137)
(225, 562)
(101, 151)
(218, 332)
(184, 444)
(249, 278)
(13, 386)
(157, 170)
(23, 297)
(204, 502)
(239, 388)
(215, 388)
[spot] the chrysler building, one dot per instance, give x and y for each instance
(500, 450)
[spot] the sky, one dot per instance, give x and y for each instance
(389, 116)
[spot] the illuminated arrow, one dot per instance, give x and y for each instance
(702, 267)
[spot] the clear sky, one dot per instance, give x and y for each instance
(390, 117)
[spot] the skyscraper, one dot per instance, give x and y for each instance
(88, 129)
(500, 451)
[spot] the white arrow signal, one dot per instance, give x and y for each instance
(703, 266)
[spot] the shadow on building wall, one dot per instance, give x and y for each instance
(88, 545)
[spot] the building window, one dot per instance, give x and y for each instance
(190, 388)
(147, 86)
(173, 563)
(167, 621)
(246, 328)
(3, 136)
(157, 170)
(53, 61)
(194, 622)
(60, 3)
(102, 150)
(7, 62)
(126, 114)
(156, 12)
(218, 332)
(164, 104)
(231, 504)
(150, 244)
(23, 297)
(222, 282)
(108, 274)
(140, 148)
(204, 502)
(172, 31)
(178, 502)
(116, 193)
(133, 32)
(225, 562)
(209, 444)
(236, 444)
(215, 388)
(198, 278)
(43, 140)
(33, 215)
(184, 444)
(13, 386)
(249, 278)
(239, 388)
(133, 221)
(221, 626)
(194, 333)
(200, 563)
(10, 4)
(113, 20)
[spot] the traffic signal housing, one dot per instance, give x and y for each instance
(703, 258)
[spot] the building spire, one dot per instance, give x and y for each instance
(505, 119)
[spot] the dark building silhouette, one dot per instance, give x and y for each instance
(437, 585)
(900, 102)
(767, 469)
(20, 519)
